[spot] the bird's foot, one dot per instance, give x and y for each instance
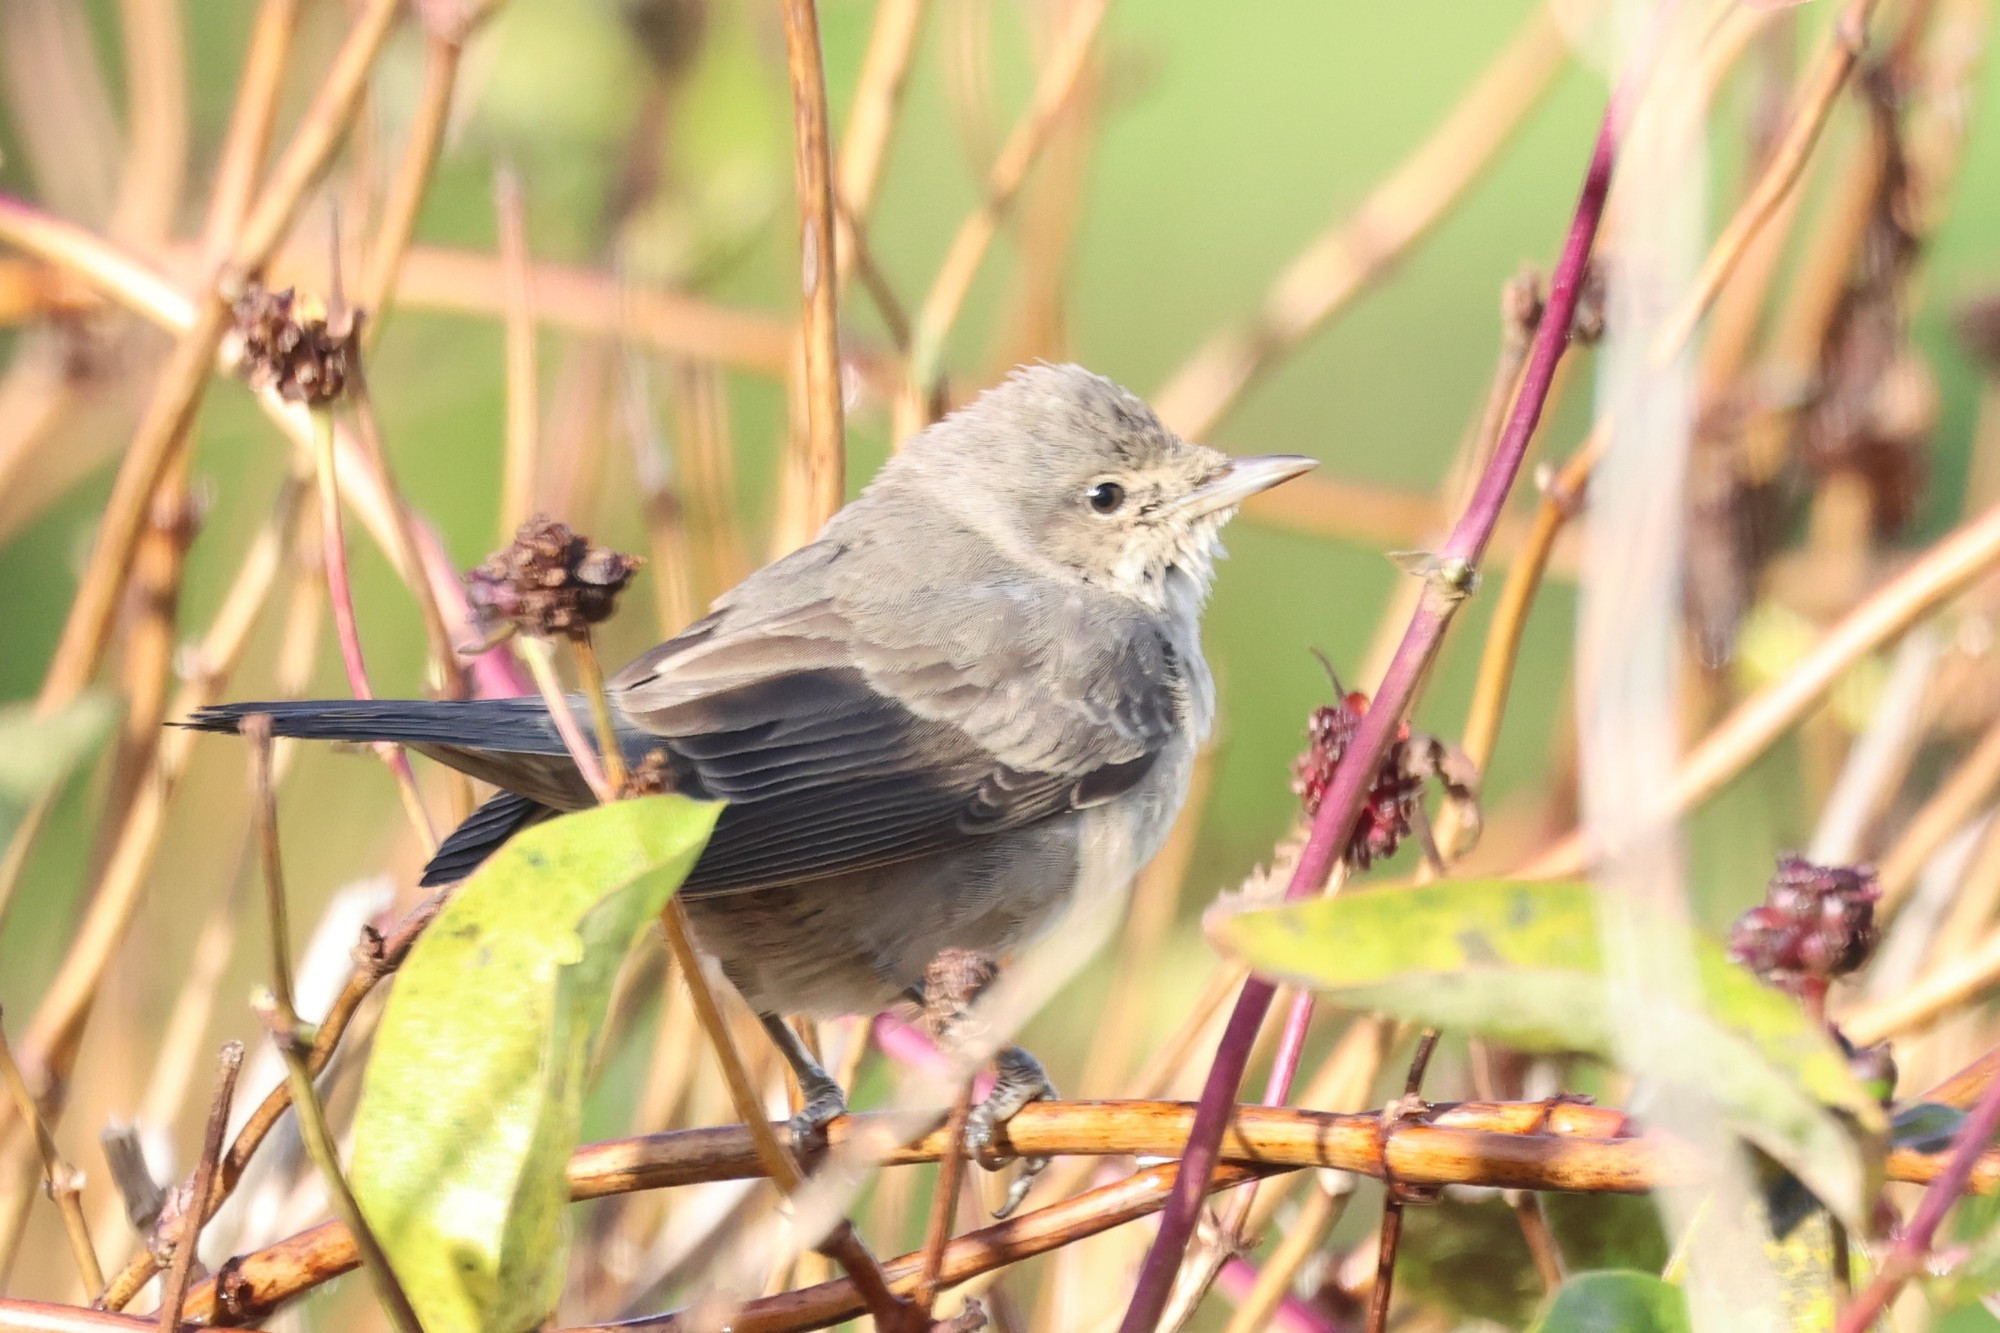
(822, 1102)
(1019, 1079)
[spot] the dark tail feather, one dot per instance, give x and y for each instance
(511, 726)
(480, 836)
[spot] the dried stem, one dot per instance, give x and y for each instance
(1054, 86)
(1456, 565)
(843, 1243)
(400, 206)
(878, 95)
(1949, 808)
(820, 440)
(541, 664)
(163, 428)
(591, 673)
(1395, 216)
(274, 1006)
(248, 138)
(1906, 1257)
(517, 485)
(944, 1205)
(1542, 1145)
(1389, 1238)
(63, 1181)
(340, 594)
(174, 1295)
(1939, 574)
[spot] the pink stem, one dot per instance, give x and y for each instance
(1341, 807)
(1239, 1276)
(1907, 1256)
(1291, 1045)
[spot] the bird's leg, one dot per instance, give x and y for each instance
(820, 1098)
(950, 985)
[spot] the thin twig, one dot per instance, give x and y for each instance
(518, 472)
(944, 1205)
(1905, 1259)
(376, 957)
(1055, 85)
(1398, 213)
(1955, 802)
(843, 1243)
(818, 469)
(274, 1007)
(1951, 565)
(163, 428)
(174, 1295)
(878, 94)
(63, 1181)
(405, 197)
(1340, 808)
(541, 664)
(1389, 1239)
(591, 673)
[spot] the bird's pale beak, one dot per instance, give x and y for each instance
(1244, 478)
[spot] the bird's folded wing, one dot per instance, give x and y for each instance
(839, 751)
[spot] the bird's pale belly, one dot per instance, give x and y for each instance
(856, 943)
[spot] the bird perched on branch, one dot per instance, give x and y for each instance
(974, 699)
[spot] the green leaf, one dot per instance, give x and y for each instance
(1925, 1126)
(1521, 963)
(474, 1092)
(1614, 1301)
(37, 752)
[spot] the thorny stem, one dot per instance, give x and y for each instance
(174, 1294)
(274, 1006)
(63, 1181)
(1906, 1258)
(1458, 563)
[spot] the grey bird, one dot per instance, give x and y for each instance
(972, 701)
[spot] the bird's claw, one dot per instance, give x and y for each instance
(1019, 1079)
(824, 1104)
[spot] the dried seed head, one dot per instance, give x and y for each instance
(288, 349)
(1816, 923)
(1391, 807)
(550, 582)
(651, 776)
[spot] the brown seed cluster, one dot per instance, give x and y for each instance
(550, 582)
(1394, 801)
(1816, 923)
(651, 776)
(286, 349)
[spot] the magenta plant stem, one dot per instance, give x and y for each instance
(1906, 1258)
(1341, 808)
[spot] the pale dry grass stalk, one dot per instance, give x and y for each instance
(1055, 86)
(1342, 262)
(63, 1182)
(1941, 573)
(815, 475)
(156, 120)
(519, 465)
(444, 45)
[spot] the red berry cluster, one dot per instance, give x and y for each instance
(1393, 799)
(1816, 923)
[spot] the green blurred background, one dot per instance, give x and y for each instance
(1226, 136)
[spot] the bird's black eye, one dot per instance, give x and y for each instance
(1105, 497)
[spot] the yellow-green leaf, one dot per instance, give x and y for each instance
(473, 1095)
(1520, 962)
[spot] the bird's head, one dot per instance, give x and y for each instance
(1062, 467)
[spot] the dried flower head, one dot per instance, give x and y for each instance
(549, 582)
(651, 776)
(1816, 923)
(287, 348)
(1395, 799)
